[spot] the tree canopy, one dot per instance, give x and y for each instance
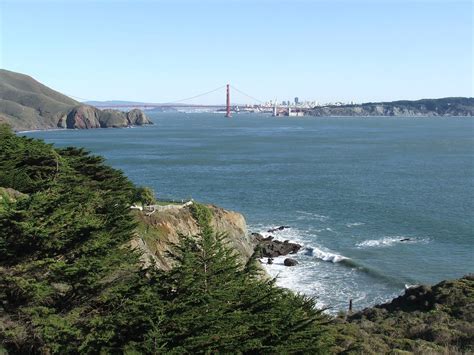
(69, 283)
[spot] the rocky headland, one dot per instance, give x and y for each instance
(159, 230)
(449, 106)
(425, 319)
(26, 104)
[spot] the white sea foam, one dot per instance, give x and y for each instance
(290, 234)
(42, 130)
(325, 255)
(312, 216)
(299, 278)
(298, 236)
(389, 241)
(355, 224)
(311, 276)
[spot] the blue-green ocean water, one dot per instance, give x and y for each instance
(349, 188)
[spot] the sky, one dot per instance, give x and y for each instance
(321, 50)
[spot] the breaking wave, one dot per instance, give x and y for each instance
(298, 236)
(389, 241)
(323, 272)
(324, 255)
(355, 224)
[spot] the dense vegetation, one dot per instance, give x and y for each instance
(435, 319)
(69, 283)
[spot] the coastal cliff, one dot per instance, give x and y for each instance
(158, 232)
(70, 282)
(26, 104)
(450, 106)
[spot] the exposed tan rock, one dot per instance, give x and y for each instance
(10, 194)
(83, 116)
(158, 232)
(136, 117)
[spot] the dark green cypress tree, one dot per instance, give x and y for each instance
(61, 245)
(68, 284)
(215, 304)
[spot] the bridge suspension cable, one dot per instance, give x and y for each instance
(184, 99)
(196, 96)
(247, 95)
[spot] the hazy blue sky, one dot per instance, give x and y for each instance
(159, 51)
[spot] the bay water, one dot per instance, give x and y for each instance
(378, 203)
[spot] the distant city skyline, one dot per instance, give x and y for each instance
(162, 51)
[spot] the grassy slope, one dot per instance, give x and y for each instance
(27, 104)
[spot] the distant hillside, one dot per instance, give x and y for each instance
(145, 106)
(26, 104)
(115, 102)
(449, 106)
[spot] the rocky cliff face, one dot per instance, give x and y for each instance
(86, 117)
(157, 232)
(80, 117)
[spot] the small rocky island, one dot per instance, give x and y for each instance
(26, 104)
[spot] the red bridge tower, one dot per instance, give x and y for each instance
(227, 111)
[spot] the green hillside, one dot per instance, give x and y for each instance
(448, 106)
(26, 104)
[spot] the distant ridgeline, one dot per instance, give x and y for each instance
(449, 106)
(26, 104)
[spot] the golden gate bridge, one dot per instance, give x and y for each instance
(184, 103)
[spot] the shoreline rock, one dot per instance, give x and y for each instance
(290, 262)
(272, 230)
(87, 117)
(271, 248)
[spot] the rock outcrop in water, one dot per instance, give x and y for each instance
(271, 248)
(426, 319)
(26, 104)
(290, 262)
